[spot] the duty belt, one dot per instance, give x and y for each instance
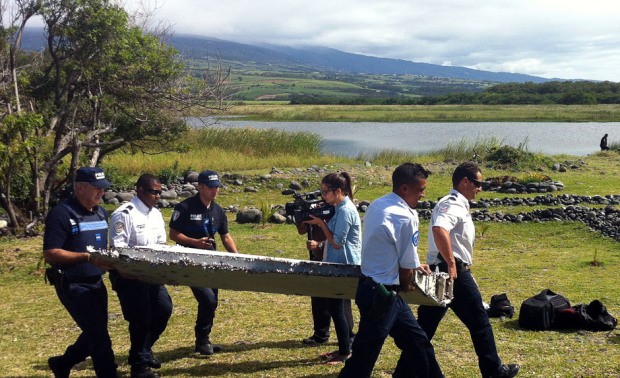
(395, 288)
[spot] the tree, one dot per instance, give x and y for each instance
(103, 84)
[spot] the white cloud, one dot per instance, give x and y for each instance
(567, 39)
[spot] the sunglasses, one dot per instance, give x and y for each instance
(154, 192)
(478, 183)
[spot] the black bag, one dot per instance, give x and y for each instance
(500, 306)
(593, 317)
(539, 312)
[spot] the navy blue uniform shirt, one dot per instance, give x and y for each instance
(194, 220)
(71, 227)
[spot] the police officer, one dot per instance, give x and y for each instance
(194, 223)
(70, 227)
(389, 258)
(450, 247)
(147, 307)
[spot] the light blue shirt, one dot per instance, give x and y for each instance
(346, 228)
(391, 239)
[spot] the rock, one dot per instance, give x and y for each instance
(295, 185)
(249, 216)
(191, 177)
(277, 218)
(368, 164)
(305, 183)
(169, 195)
(250, 189)
(113, 201)
(162, 204)
(3, 224)
(275, 170)
(124, 197)
(265, 177)
(238, 182)
(107, 196)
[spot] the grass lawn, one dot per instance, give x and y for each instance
(261, 333)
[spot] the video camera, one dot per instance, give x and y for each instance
(306, 204)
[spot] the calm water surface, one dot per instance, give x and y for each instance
(352, 138)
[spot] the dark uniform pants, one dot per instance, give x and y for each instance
(321, 318)
(147, 307)
(418, 356)
(87, 303)
(467, 305)
(207, 304)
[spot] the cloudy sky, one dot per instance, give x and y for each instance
(566, 39)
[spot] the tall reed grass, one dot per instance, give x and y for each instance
(228, 149)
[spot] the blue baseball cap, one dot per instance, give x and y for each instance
(92, 175)
(209, 178)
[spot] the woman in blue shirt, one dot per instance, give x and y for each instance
(343, 245)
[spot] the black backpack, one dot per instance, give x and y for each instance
(539, 312)
(500, 306)
(591, 317)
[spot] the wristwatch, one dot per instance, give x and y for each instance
(320, 245)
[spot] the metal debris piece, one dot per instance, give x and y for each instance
(176, 265)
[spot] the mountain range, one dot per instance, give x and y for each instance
(310, 59)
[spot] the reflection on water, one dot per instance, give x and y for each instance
(352, 138)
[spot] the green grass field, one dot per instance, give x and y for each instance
(439, 113)
(261, 333)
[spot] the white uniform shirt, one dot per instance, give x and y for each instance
(390, 239)
(134, 224)
(452, 214)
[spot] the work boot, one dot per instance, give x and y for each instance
(205, 348)
(143, 372)
(153, 362)
(59, 366)
(507, 371)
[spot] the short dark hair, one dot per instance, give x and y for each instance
(145, 180)
(467, 169)
(408, 173)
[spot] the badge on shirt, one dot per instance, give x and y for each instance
(444, 207)
(415, 239)
(119, 227)
(175, 215)
(195, 217)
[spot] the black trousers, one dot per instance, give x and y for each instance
(147, 307)
(321, 317)
(207, 304)
(467, 306)
(87, 303)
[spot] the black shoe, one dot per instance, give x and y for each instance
(507, 371)
(204, 348)
(313, 341)
(143, 372)
(59, 367)
(153, 362)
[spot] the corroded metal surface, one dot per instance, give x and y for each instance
(175, 265)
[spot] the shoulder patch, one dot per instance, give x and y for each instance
(175, 215)
(444, 207)
(119, 227)
(415, 239)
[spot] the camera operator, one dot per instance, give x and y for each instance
(321, 318)
(342, 245)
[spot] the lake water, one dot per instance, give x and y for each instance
(352, 138)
